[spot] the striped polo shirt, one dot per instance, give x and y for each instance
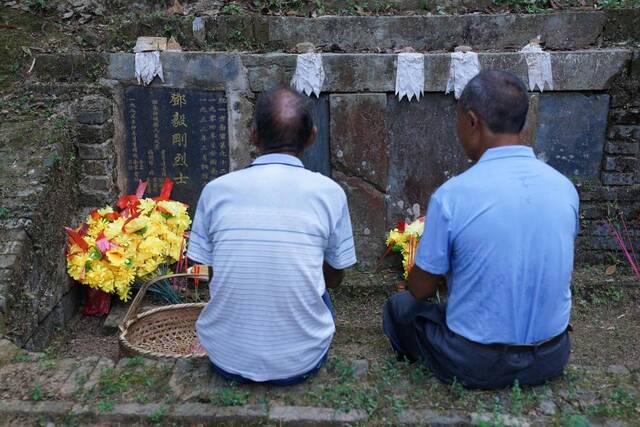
(266, 231)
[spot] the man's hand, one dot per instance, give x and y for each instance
(422, 284)
(332, 276)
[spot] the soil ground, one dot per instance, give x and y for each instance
(605, 319)
(600, 385)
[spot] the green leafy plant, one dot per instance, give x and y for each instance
(320, 7)
(156, 416)
(35, 393)
(233, 8)
(38, 6)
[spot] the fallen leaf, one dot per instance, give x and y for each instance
(175, 9)
(67, 15)
(610, 271)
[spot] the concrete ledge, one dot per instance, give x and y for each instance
(184, 69)
(573, 71)
(431, 418)
(187, 413)
(310, 416)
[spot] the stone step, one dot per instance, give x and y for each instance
(68, 386)
(560, 30)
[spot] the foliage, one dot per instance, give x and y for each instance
(279, 7)
(233, 8)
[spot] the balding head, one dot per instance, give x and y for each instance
(283, 122)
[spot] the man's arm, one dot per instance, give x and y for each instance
(433, 255)
(423, 284)
(332, 276)
(340, 251)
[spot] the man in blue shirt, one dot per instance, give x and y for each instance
(503, 233)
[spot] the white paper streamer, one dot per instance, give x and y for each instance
(464, 66)
(148, 66)
(309, 75)
(539, 64)
(410, 76)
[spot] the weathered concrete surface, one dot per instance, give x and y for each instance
(570, 133)
(358, 136)
(432, 418)
(572, 71)
(180, 69)
(309, 416)
(573, 30)
(562, 30)
(621, 26)
(423, 152)
(367, 207)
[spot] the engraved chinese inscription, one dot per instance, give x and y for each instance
(177, 133)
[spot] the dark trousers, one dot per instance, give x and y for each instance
(418, 330)
(284, 381)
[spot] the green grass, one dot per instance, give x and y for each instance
(105, 406)
(230, 396)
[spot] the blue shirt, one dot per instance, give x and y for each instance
(504, 234)
(266, 231)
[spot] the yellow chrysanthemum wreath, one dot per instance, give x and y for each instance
(113, 248)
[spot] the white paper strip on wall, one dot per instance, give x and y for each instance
(464, 66)
(539, 64)
(148, 66)
(410, 76)
(309, 75)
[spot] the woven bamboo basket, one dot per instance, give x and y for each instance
(163, 332)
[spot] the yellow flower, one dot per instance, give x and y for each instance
(137, 225)
(153, 238)
(117, 257)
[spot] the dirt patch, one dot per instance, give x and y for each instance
(606, 321)
(84, 336)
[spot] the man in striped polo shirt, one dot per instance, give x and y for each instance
(277, 236)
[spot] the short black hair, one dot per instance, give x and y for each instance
(283, 121)
(499, 98)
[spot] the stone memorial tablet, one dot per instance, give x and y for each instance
(176, 133)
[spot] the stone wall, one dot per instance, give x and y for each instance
(390, 155)
(38, 177)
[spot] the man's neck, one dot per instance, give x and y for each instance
(290, 153)
(501, 140)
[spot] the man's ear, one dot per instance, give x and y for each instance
(312, 138)
(474, 121)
